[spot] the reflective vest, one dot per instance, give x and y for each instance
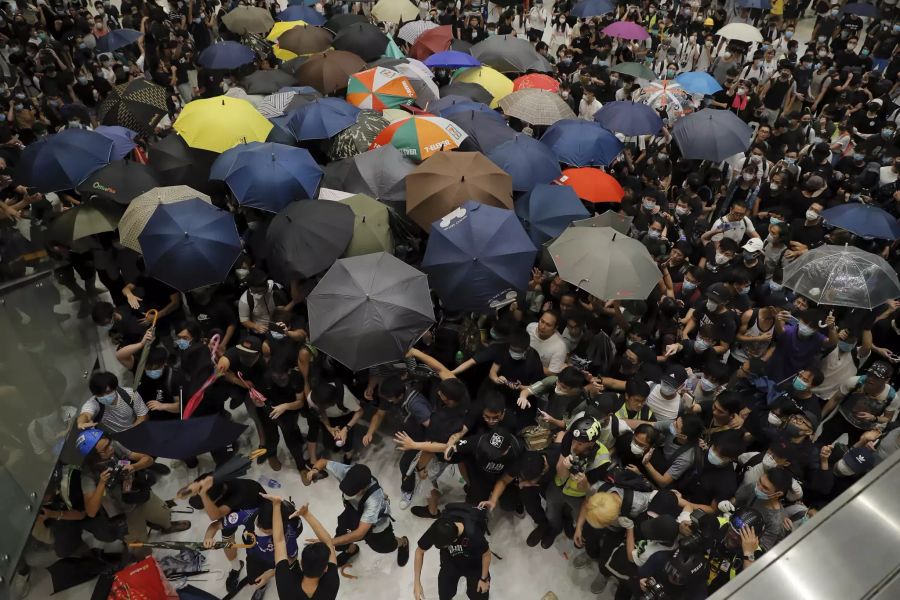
(570, 486)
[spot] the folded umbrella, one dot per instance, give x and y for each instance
(322, 119)
(190, 244)
(63, 160)
(712, 134)
(142, 208)
(226, 56)
(864, 220)
(547, 210)
(629, 118)
(633, 69)
(177, 163)
(537, 81)
(379, 88)
(217, 124)
(84, 220)
(536, 107)
(395, 11)
(302, 13)
(245, 19)
(379, 173)
(329, 71)
(116, 39)
(137, 105)
(510, 54)
(306, 237)
(304, 40)
(528, 162)
(120, 181)
(592, 8)
(626, 30)
(180, 439)
(371, 228)
(698, 82)
(363, 39)
(122, 139)
(592, 184)
(582, 143)
(432, 42)
(741, 32)
(621, 223)
(451, 59)
(421, 137)
(358, 137)
(369, 310)
(478, 257)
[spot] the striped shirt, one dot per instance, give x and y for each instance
(118, 416)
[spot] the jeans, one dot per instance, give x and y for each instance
(556, 503)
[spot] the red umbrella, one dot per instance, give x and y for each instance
(431, 42)
(592, 184)
(537, 81)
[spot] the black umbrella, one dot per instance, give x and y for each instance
(378, 173)
(179, 164)
(120, 181)
(467, 90)
(137, 105)
(180, 439)
(460, 45)
(267, 82)
(338, 22)
(306, 237)
(363, 39)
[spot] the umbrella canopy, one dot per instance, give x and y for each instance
(342, 21)
(420, 137)
(537, 81)
(712, 134)
(117, 38)
(379, 173)
(180, 439)
(304, 40)
(279, 29)
(486, 130)
(266, 82)
(303, 95)
(409, 32)
(371, 227)
(547, 210)
(177, 163)
(248, 19)
(322, 119)
(268, 176)
(472, 91)
(633, 69)
(122, 139)
(510, 54)
(275, 105)
(120, 181)
(667, 97)
(497, 84)
(862, 9)
(593, 185)
(306, 237)
(432, 42)
(528, 162)
(629, 118)
(451, 59)
(537, 107)
(329, 71)
(448, 105)
(582, 143)
(357, 138)
(368, 310)
(591, 8)
(226, 56)
(621, 223)
(842, 276)
(447, 179)
(137, 105)
(363, 39)
(395, 11)
(63, 160)
(698, 82)
(864, 220)
(306, 14)
(626, 30)
(379, 88)
(741, 32)
(84, 220)
(605, 263)
(217, 124)
(190, 244)
(478, 257)
(142, 207)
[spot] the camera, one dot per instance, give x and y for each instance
(654, 591)
(579, 465)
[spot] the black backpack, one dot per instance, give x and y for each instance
(629, 482)
(474, 519)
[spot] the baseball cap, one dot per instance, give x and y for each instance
(356, 480)
(859, 460)
(494, 444)
(676, 375)
(665, 502)
(881, 370)
(663, 528)
(250, 344)
(753, 245)
(717, 292)
(601, 405)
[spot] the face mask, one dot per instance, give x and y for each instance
(706, 385)
(653, 233)
(812, 215)
(107, 400)
(636, 450)
(721, 259)
(760, 494)
(154, 373)
(241, 274)
(711, 306)
(747, 176)
(744, 290)
(788, 34)
(742, 91)
(714, 459)
(516, 355)
(648, 205)
(277, 335)
(564, 95)
(670, 74)
(834, 12)
(688, 286)
(769, 461)
(681, 211)
(841, 468)
(773, 419)
(727, 55)
(887, 133)
(662, 156)
(559, 391)
(845, 347)
(805, 330)
(864, 52)
(182, 344)
(82, 79)
(667, 390)
(700, 345)
(20, 106)
(799, 385)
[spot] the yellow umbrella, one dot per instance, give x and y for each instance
(276, 32)
(496, 83)
(395, 11)
(217, 124)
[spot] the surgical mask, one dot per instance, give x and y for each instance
(564, 94)
(762, 495)
(721, 259)
(769, 461)
(887, 133)
(154, 373)
(667, 389)
(682, 210)
(711, 306)
(799, 385)
(845, 347)
(701, 345)
(864, 52)
(858, 157)
(744, 290)
(747, 176)
(106, 400)
(241, 274)
(636, 449)
(834, 12)
(812, 215)
(654, 233)
(688, 286)
(277, 335)
(706, 385)
(788, 34)
(648, 205)
(841, 468)
(788, 160)
(516, 355)
(82, 79)
(805, 330)
(672, 429)
(670, 74)
(714, 459)
(182, 344)
(773, 419)
(559, 391)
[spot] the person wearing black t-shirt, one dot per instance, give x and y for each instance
(243, 369)
(146, 293)
(283, 388)
(488, 457)
(460, 536)
(713, 477)
(317, 576)
(161, 386)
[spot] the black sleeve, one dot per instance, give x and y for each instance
(287, 580)
(425, 542)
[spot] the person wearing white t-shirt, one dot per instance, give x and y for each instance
(547, 342)
(665, 398)
(841, 364)
(589, 105)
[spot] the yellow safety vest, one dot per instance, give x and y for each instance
(570, 487)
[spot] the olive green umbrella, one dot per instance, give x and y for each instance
(85, 220)
(249, 19)
(371, 226)
(634, 70)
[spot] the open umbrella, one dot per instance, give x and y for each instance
(357, 138)
(120, 181)
(142, 208)
(411, 30)
(217, 124)
(741, 32)
(667, 97)
(591, 8)
(536, 107)
(629, 118)
(582, 143)
(177, 163)
(432, 42)
(863, 220)
(225, 56)
(528, 162)
(605, 263)
(304, 40)
(190, 244)
(306, 237)
(486, 129)
(302, 13)
(369, 310)
(379, 88)
(712, 134)
(420, 137)
(329, 71)
(268, 176)
(452, 59)
(862, 9)
(322, 119)
(633, 69)
(592, 184)
(122, 139)
(137, 105)
(537, 81)
(342, 21)
(395, 11)
(446, 180)
(246, 19)
(180, 439)
(117, 38)
(84, 220)
(757, 4)
(63, 160)
(279, 29)
(379, 173)
(547, 210)
(698, 82)
(472, 91)
(371, 228)
(275, 105)
(478, 257)
(510, 54)
(448, 105)
(266, 82)
(621, 223)
(497, 84)
(626, 30)
(842, 276)
(363, 39)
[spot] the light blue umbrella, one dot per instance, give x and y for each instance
(582, 143)
(528, 162)
(548, 209)
(592, 8)
(698, 82)
(296, 12)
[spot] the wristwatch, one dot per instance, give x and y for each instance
(751, 557)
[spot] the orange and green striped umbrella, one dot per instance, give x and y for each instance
(420, 137)
(379, 88)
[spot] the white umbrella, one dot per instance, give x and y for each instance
(411, 31)
(741, 32)
(273, 105)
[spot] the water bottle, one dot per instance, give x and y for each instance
(459, 357)
(269, 482)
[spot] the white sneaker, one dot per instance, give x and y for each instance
(582, 561)
(406, 499)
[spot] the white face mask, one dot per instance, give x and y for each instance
(773, 419)
(769, 461)
(636, 450)
(666, 390)
(747, 176)
(559, 391)
(812, 215)
(721, 259)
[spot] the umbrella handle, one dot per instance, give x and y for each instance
(251, 536)
(254, 454)
(214, 346)
(823, 324)
(155, 314)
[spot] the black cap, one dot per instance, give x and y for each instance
(675, 375)
(356, 480)
(881, 370)
(601, 405)
(494, 444)
(643, 352)
(717, 292)
(443, 532)
(663, 528)
(665, 502)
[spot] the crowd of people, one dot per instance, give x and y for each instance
(666, 443)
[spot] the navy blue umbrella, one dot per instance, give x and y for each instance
(226, 55)
(322, 118)
(486, 130)
(582, 143)
(122, 138)
(180, 439)
(591, 8)
(629, 118)
(548, 209)
(63, 160)
(528, 162)
(454, 104)
(478, 258)
(862, 9)
(302, 13)
(190, 244)
(117, 38)
(267, 176)
(863, 220)
(757, 4)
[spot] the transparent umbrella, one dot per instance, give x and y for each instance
(842, 276)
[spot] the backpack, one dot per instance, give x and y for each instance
(474, 519)
(125, 397)
(752, 462)
(537, 437)
(469, 336)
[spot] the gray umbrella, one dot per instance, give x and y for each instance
(605, 263)
(267, 82)
(307, 236)
(379, 173)
(621, 223)
(368, 310)
(510, 54)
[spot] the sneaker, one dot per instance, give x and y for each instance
(569, 528)
(234, 578)
(274, 463)
(177, 526)
(403, 552)
(599, 584)
(534, 538)
(345, 557)
(582, 561)
(406, 499)
(422, 512)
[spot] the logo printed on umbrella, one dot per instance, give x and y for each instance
(103, 188)
(503, 298)
(454, 218)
